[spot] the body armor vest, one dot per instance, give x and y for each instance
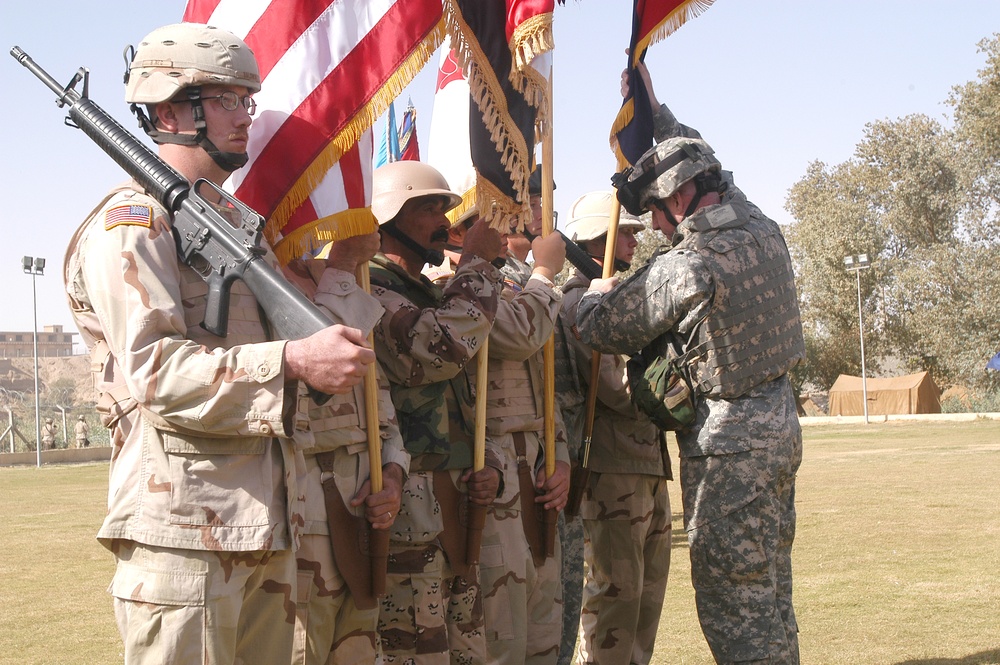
(752, 333)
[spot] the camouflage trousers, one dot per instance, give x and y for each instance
(429, 615)
(209, 607)
(626, 526)
(329, 627)
(739, 512)
(571, 539)
(522, 602)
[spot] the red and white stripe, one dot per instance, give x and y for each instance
(321, 63)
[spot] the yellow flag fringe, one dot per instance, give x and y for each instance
(670, 24)
(468, 202)
(305, 239)
(531, 39)
(349, 136)
(485, 90)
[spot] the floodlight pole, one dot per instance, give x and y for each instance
(35, 266)
(856, 264)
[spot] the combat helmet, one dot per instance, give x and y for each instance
(663, 169)
(590, 216)
(396, 183)
(172, 63)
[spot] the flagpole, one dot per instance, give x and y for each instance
(549, 351)
(477, 512)
(379, 538)
(581, 477)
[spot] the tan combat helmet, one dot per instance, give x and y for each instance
(396, 183)
(663, 169)
(173, 62)
(590, 216)
(184, 55)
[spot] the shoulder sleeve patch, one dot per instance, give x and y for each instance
(129, 214)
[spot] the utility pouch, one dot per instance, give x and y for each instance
(661, 384)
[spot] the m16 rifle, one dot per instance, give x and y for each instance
(206, 240)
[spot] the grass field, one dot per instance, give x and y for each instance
(897, 557)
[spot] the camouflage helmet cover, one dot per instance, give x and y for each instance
(669, 165)
(184, 55)
(396, 183)
(590, 216)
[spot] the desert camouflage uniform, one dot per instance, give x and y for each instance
(523, 601)
(424, 340)
(201, 496)
(740, 457)
(330, 628)
(625, 511)
(82, 430)
(48, 436)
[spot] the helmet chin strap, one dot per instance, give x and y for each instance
(433, 257)
(227, 161)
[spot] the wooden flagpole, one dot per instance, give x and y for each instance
(549, 353)
(581, 475)
(477, 512)
(378, 543)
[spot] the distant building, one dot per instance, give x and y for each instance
(52, 342)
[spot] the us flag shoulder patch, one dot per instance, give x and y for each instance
(129, 214)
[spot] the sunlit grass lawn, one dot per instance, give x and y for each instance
(897, 553)
(897, 557)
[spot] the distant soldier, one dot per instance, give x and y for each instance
(49, 435)
(625, 507)
(432, 612)
(82, 430)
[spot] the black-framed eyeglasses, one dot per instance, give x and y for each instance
(230, 101)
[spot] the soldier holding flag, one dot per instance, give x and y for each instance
(432, 612)
(728, 287)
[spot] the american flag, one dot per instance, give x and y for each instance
(135, 215)
(329, 69)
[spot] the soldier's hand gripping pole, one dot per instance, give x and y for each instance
(206, 241)
(378, 539)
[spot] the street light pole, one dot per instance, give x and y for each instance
(856, 264)
(33, 267)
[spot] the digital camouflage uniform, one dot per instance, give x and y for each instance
(201, 495)
(625, 511)
(523, 601)
(739, 458)
(330, 627)
(571, 406)
(424, 340)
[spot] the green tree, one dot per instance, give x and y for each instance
(921, 200)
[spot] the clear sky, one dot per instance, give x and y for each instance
(771, 84)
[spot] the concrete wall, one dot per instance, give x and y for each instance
(61, 456)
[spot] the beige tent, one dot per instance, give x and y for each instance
(915, 393)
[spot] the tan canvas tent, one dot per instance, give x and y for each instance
(914, 393)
